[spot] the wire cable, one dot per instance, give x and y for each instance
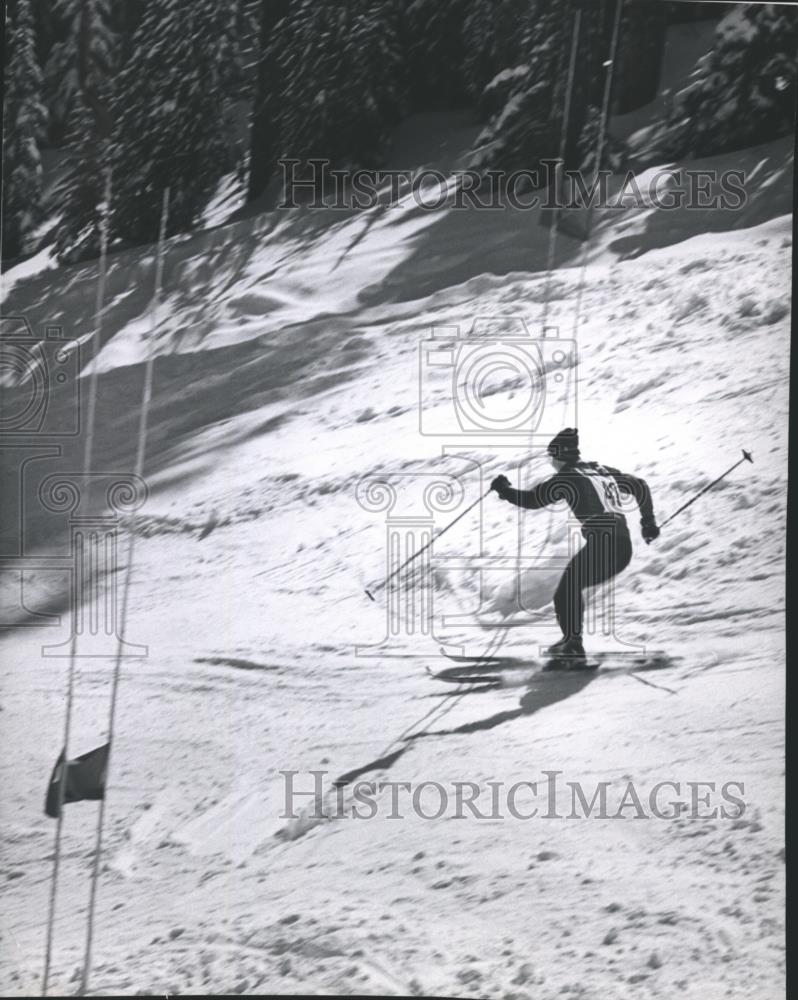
(139, 469)
(605, 110)
(70, 694)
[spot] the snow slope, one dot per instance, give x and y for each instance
(288, 369)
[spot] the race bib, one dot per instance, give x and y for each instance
(606, 490)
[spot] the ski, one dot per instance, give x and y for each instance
(517, 672)
(483, 680)
(514, 671)
(564, 664)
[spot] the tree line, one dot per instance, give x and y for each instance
(146, 91)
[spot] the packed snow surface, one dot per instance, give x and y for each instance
(288, 373)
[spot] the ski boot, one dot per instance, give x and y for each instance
(568, 654)
(557, 648)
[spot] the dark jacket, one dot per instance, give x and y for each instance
(591, 491)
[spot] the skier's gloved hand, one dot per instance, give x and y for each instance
(501, 484)
(649, 530)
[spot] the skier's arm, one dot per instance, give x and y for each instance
(539, 496)
(638, 488)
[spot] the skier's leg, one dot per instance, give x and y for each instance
(568, 601)
(559, 601)
(606, 553)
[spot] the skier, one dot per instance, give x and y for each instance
(592, 491)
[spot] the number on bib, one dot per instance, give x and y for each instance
(607, 492)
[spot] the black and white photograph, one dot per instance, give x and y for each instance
(394, 458)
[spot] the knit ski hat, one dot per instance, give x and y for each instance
(565, 446)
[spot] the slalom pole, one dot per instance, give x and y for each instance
(746, 458)
(424, 548)
(88, 451)
(141, 446)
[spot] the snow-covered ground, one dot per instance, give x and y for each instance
(289, 365)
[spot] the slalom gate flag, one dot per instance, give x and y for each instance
(85, 779)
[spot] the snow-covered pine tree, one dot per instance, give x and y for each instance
(45, 27)
(433, 52)
(171, 118)
(264, 146)
(80, 73)
(82, 189)
(25, 121)
(524, 101)
(233, 26)
(340, 70)
(82, 61)
(615, 153)
(742, 92)
(520, 100)
(745, 88)
(497, 37)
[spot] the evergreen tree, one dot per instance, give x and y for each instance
(25, 120)
(742, 92)
(233, 25)
(45, 26)
(615, 154)
(264, 136)
(340, 68)
(433, 52)
(522, 100)
(171, 118)
(82, 190)
(82, 62)
(80, 72)
(498, 37)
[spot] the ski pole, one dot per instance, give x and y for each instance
(746, 458)
(425, 547)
